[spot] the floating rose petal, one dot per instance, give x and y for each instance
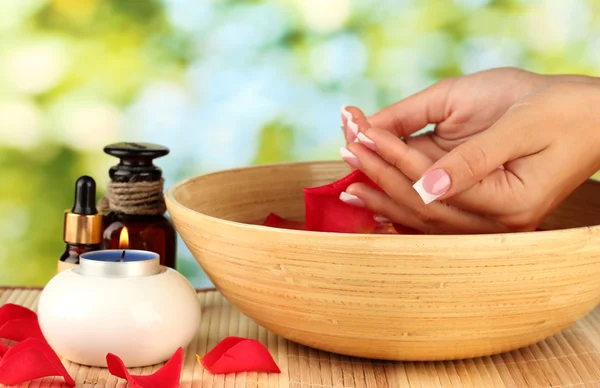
(29, 360)
(235, 354)
(385, 229)
(401, 229)
(325, 212)
(276, 221)
(168, 376)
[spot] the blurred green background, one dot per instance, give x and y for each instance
(229, 83)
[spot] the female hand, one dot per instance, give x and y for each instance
(460, 107)
(503, 173)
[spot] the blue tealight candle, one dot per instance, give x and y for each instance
(121, 255)
(119, 263)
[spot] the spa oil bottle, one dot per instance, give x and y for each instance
(134, 202)
(82, 225)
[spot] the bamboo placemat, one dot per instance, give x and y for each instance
(570, 359)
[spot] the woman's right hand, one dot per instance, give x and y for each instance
(460, 107)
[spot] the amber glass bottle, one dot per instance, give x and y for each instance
(134, 202)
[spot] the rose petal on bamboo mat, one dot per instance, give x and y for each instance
(18, 323)
(12, 311)
(29, 360)
(168, 376)
(325, 212)
(236, 354)
(276, 221)
(21, 329)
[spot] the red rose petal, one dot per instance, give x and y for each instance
(168, 376)
(276, 221)
(18, 323)
(29, 360)
(12, 311)
(325, 212)
(235, 354)
(3, 349)
(385, 229)
(21, 329)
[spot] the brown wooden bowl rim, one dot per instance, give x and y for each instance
(170, 199)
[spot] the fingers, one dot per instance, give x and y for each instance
(380, 203)
(396, 152)
(491, 197)
(405, 206)
(434, 149)
(407, 116)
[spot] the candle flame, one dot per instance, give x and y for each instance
(124, 238)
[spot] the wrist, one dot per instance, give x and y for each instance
(588, 108)
(574, 123)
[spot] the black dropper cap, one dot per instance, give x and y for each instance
(83, 224)
(85, 196)
(135, 161)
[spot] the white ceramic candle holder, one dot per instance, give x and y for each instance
(132, 307)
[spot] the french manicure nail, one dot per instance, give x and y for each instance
(352, 126)
(351, 130)
(366, 141)
(381, 219)
(351, 199)
(349, 158)
(345, 115)
(433, 185)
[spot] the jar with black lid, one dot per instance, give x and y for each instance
(134, 204)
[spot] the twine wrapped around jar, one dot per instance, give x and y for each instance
(134, 198)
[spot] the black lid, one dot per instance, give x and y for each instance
(136, 161)
(85, 196)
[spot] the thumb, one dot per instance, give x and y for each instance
(468, 164)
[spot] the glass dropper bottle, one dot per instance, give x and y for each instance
(82, 224)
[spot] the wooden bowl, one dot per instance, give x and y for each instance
(396, 297)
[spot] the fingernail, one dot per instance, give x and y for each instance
(352, 126)
(349, 157)
(381, 219)
(345, 115)
(433, 185)
(351, 199)
(351, 130)
(366, 141)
